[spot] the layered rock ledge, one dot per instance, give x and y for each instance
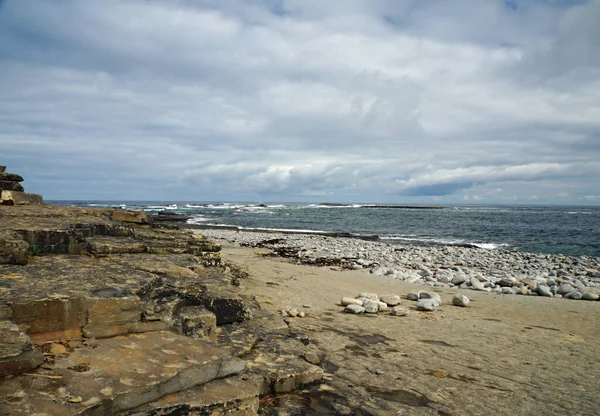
(108, 312)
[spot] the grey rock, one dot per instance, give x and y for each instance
(565, 289)
(431, 295)
(459, 279)
(427, 305)
(508, 290)
(460, 300)
(371, 306)
(544, 291)
(476, 284)
(382, 306)
(351, 301)
(413, 295)
(590, 296)
(390, 300)
(575, 295)
(592, 290)
(399, 311)
(372, 296)
(354, 309)
(507, 281)
(579, 286)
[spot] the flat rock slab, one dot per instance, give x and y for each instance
(119, 374)
(16, 352)
(230, 396)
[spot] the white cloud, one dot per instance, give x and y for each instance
(345, 100)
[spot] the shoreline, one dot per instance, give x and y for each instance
(524, 356)
(485, 270)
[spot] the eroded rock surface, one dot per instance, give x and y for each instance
(104, 312)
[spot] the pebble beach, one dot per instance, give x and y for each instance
(487, 270)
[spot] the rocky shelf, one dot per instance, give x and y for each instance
(107, 311)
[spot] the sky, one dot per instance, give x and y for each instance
(391, 101)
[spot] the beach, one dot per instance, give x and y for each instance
(503, 355)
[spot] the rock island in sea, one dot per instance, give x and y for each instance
(108, 311)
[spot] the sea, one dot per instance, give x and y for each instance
(568, 230)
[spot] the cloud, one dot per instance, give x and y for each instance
(379, 100)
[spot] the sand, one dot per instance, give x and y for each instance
(502, 355)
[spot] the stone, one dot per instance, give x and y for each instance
(592, 290)
(13, 248)
(2, 168)
(575, 295)
(301, 314)
(413, 295)
(12, 177)
(399, 311)
(507, 290)
(579, 286)
(351, 301)
(354, 309)
(15, 197)
(590, 296)
(427, 305)
(458, 279)
(11, 186)
(371, 306)
(382, 306)
(293, 313)
(530, 282)
(543, 290)
(460, 300)
(508, 281)
(477, 285)
(371, 296)
(390, 300)
(431, 295)
(138, 217)
(16, 352)
(565, 288)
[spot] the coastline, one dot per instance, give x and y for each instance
(504, 355)
(83, 287)
(486, 270)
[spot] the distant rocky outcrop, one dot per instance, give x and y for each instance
(13, 193)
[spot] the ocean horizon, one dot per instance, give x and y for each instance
(549, 229)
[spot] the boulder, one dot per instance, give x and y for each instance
(10, 177)
(11, 186)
